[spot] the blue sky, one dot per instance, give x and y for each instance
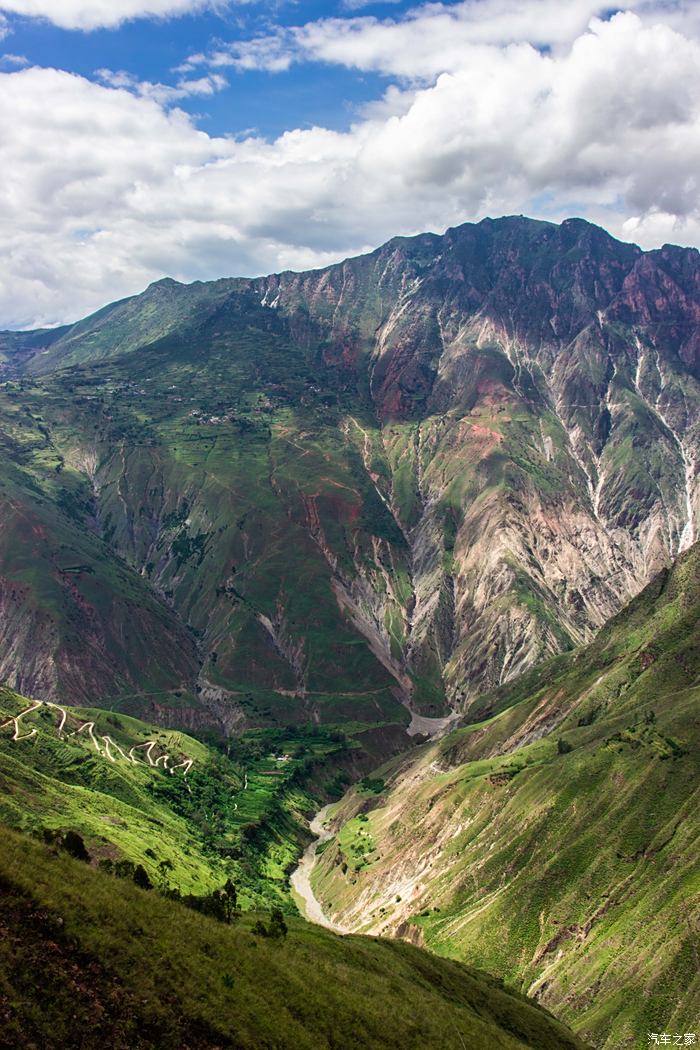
(151, 49)
(202, 138)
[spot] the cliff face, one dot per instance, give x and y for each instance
(406, 477)
(538, 384)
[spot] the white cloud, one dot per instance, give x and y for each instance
(274, 53)
(94, 14)
(437, 38)
(357, 5)
(110, 187)
(14, 60)
(428, 40)
(165, 94)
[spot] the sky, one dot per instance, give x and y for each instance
(206, 138)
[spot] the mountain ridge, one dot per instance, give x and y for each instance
(483, 443)
(595, 237)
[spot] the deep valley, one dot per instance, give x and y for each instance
(412, 540)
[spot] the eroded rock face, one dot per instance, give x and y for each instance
(540, 385)
(467, 450)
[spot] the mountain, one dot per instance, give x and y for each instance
(260, 536)
(89, 960)
(346, 496)
(554, 840)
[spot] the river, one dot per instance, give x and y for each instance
(310, 906)
(300, 880)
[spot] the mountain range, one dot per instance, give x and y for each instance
(393, 483)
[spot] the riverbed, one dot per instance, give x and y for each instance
(304, 895)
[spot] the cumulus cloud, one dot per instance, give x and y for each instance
(436, 38)
(95, 14)
(428, 40)
(111, 186)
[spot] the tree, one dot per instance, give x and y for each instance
(230, 899)
(73, 844)
(164, 869)
(278, 926)
(141, 878)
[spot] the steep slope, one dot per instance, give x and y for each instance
(87, 959)
(192, 816)
(556, 839)
(472, 449)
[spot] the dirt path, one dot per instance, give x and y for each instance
(15, 720)
(109, 745)
(309, 905)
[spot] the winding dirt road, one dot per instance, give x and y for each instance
(14, 721)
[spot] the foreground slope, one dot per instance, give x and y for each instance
(556, 840)
(88, 960)
(472, 448)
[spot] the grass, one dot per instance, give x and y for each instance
(85, 956)
(555, 841)
(237, 813)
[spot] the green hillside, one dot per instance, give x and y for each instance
(556, 840)
(290, 522)
(191, 815)
(90, 961)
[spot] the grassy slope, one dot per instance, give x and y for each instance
(237, 817)
(575, 874)
(83, 956)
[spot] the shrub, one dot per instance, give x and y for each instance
(73, 843)
(277, 926)
(141, 878)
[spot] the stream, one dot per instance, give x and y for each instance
(300, 880)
